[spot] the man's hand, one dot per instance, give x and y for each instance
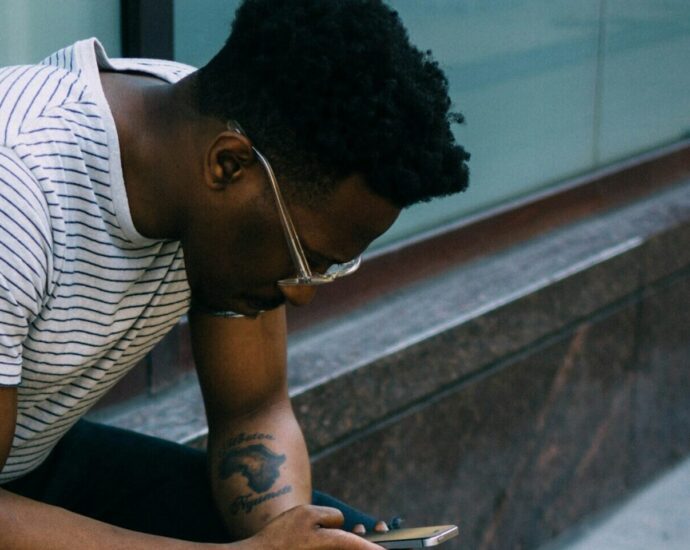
(307, 528)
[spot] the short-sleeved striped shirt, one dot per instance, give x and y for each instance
(83, 296)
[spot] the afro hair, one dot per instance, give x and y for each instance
(331, 88)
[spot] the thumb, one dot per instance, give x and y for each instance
(325, 516)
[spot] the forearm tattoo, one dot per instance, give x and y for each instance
(257, 464)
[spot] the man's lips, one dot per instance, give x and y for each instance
(263, 304)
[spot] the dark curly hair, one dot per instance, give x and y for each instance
(330, 88)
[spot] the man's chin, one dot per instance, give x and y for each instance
(255, 306)
(245, 311)
(242, 306)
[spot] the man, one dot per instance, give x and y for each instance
(135, 191)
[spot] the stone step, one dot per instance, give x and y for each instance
(656, 517)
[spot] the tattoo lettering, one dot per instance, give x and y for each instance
(258, 464)
(245, 503)
(244, 438)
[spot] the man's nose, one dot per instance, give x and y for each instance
(298, 295)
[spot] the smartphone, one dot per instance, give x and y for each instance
(414, 537)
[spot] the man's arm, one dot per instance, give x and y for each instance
(29, 525)
(258, 462)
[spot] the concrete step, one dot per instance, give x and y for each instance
(655, 518)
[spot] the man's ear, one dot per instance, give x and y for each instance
(227, 159)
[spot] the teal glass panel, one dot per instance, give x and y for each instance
(550, 88)
(645, 76)
(523, 74)
(201, 28)
(31, 30)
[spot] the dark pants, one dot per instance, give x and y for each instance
(137, 482)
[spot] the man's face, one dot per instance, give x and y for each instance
(235, 254)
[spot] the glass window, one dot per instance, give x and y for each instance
(645, 76)
(522, 73)
(201, 28)
(550, 88)
(31, 30)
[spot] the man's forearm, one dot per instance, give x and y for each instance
(30, 525)
(259, 468)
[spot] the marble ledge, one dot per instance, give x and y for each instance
(443, 332)
(632, 240)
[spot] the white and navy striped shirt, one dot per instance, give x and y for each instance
(83, 296)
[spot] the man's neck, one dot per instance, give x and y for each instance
(157, 146)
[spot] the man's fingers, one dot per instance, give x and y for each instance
(325, 516)
(333, 519)
(380, 527)
(342, 540)
(359, 529)
(309, 527)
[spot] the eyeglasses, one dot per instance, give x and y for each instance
(305, 276)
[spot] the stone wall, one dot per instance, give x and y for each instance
(518, 394)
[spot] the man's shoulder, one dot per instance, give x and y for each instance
(30, 92)
(13, 168)
(22, 197)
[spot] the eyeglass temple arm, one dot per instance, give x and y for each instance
(294, 244)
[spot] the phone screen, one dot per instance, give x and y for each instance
(415, 537)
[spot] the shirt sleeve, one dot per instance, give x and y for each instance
(25, 244)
